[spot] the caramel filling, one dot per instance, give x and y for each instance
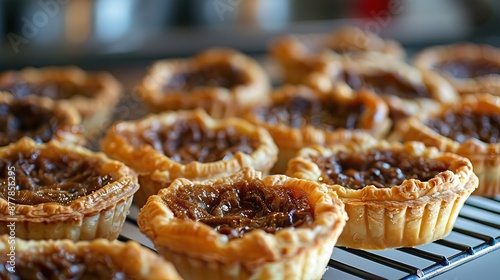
(21, 118)
(186, 141)
(466, 69)
(52, 89)
(41, 180)
(246, 206)
(62, 264)
(381, 168)
(385, 83)
(219, 75)
(298, 112)
(467, 124)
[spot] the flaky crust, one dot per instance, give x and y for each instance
(158, 171)
(98, 215)
(485, 157)
(134, 260)
(429, 57)
(374, 121)
(94, 110)
(441, 92)
(69, 130)
(217, 101)
(297, 253)
(407, 215)
(300, 55)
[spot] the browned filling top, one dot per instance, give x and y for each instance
(297, 112)
(186, 141)
(54, 89)
(246, 206)
(467, 124)
(37, 179)
(219, 75)
(20, 118)
(465, 69)
(381, 168)
(385, 83)
(62, 264)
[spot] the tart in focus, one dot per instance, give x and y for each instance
(54, 191)
(93, 94)
(98, 259)
(470, 128)
(245, 227)
(470, 68)
(301, 55)
(38, 118)
(298, 116)
(223, 82)
(395, 195)
(407, 90)
(187, 144)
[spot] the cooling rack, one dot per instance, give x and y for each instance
(476, 233)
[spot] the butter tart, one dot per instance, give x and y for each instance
(38, 118)
(223, 82)
(395, 195)
(470, 128)
(407, 90)
(93, 94)
(300, 55)
(187, 144)
(470, 68)
(298, 116)
(54, 191)
(245, 227)
(86, 260)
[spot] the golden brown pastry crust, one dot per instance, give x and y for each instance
(301, 55)
(158, 171)
(440, 91)
(130, 257)
(69, 129)
(374, 120)
(406, 215)
(291, 253)
(219, 102)
(99, 214)
(485, 157)
(428, 58)
(95, 110)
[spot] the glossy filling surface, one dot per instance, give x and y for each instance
(467, 124)
(63, 264)
(466, 69)
(381, 168)
(20, 118)
(52, 89)
(242, 208)
(385, 83)
(218, 75)
(37, 179)
(186, 141)
(297, 112)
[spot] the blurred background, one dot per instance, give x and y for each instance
(106, 33)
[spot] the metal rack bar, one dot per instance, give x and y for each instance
(353, 270)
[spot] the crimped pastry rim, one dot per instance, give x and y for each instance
(375, 119)
(105, 198)
(145, 159)
(410, 189)
(253, 249)
(139, 261)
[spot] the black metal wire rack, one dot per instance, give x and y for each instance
(476, 233)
